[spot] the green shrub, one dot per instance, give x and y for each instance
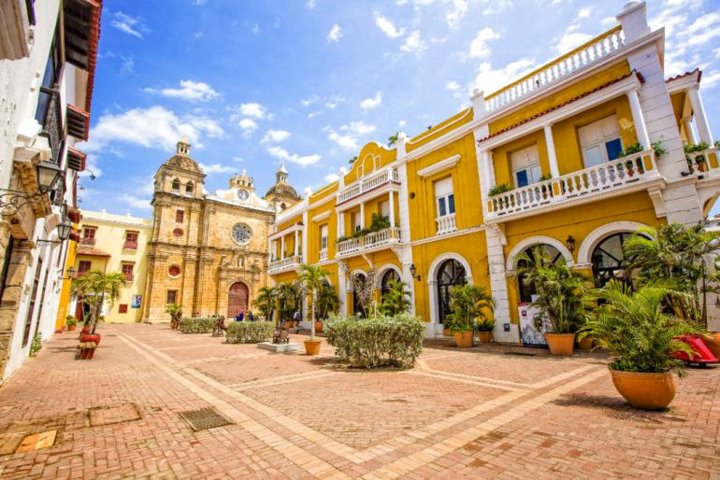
(376, 342)
(249, 332)
(197, 325)
(35, 345)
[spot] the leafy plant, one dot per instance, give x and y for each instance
(392, 139)
(546, 177)
(635, 329)
(376, 342)
(469, 303)
(249, 332)
(485, 325)
(327, 301)
(498, 189)
(175, 312)
(312, 278)
(364, 290)
(70, 321)
(658, 149)
(198, 325)
(266, 302)
(634, 148)
(696, 147)
(561, 291)
(36, 344)
(287, 295)
(396, 299)
(352, 160)
(95, 287)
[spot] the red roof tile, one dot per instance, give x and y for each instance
(91, 251)
(697, 72)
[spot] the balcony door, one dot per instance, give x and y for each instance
(526, 166)
(600, 141)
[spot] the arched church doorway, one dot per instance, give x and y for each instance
(238, 297)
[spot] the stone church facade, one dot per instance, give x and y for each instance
(208, 252)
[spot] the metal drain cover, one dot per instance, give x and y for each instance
(204, 418)
(521, 354)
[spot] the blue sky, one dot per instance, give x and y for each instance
(253, 83)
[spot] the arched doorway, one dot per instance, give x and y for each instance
(387, 277)
(608, 259)
(450, 274)
(359, 281)
(238, 296)
(525, 291)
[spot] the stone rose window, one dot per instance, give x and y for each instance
(174, 271)
(178, 232)
(241, 233)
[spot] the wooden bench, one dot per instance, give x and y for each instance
(87, 350)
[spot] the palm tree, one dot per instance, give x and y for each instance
(94, 287)
(396, 299)
(286, 295)
(265, 301)
(327, 300)
(469, 303)
(312, 278)
(175, 311)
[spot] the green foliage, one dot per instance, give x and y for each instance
(327, 301)
(35, 345)
(352, 160)
(469, 303)
(485, 325)
(95, 287)
(175, 311)
(265, 302)
(498, 189)
(70, 321)
(392, 139)
(696, 147)
(249, 332)
(636, 331)
(287, 297)
(396, 300)
(562, 292)
(658, 149)
(312, 278)
(546, 177)
(634, 148)
(197, 325)
(376, 342)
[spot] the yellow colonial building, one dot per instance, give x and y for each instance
(574, 156)
(114, 243)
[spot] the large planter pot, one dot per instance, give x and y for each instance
(446, 332)
(560, 344)
(87, 337)
(312, 347)
(485, 337)
(318, 327)
(713, 343)
(586, 343)
(649, 391)
(464, 339)
(71, 328)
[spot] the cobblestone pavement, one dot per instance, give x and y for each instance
(476, 414)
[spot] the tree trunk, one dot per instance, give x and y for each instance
(312, 318)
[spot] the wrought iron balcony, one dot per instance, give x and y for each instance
(52, 122)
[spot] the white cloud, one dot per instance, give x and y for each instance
(254, 110)
(331, 177)
(455, 16)
(349, 135)
(452, 85)
(583, 13)
(570, 40)
(414, 43)
(313, 114)
(135, 201)
(310, 4)
(387, 26)
(489, 79)
(153, 127)
(479, 45)
(189, 90)
(130, 25)
(248, 126)
(335, 34)
(711, 79)
(372, 102)
(216, 168)
(276, 136)
(302, 160)
(402, 123)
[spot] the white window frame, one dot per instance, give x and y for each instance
(443, 198)
(533, 169)
(602, 138)
(323, 238)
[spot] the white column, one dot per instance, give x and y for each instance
(552, 156)
(700, 119)
(392, 209)
(296, 243)
(488, 170)
(270, 249)
(282, 247)
(638, 119)
(362, 215)
(689, 132)
(340, 224)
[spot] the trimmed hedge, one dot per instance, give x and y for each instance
(250, 332)
(197, 325)
(376, 342)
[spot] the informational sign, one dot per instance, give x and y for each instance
(530, 334)
(136, 301)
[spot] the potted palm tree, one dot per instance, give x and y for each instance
(641, 338)
(396, 299)
(265, 302)
(312, 278)
(485, 328)
(286, 295)
(469, 303)
(561, 298)
(71, 323)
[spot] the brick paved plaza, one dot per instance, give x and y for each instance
(478, 414)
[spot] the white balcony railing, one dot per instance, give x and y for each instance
(707, 160)
(600, 179)
(285, 264)
(445, 224)
(581, 57)
(371, 241)
(371, 182)
(323, 255)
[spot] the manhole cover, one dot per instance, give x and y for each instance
(109, 415)
(521, 354)
(204, 418)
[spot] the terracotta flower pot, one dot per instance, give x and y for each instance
(649, 391)
(464, 339)
(560, 344)
(485, 337)
(586, 343)
(87, 337)
(446, 332)
(712, 340)
(312, 347)
(318, 327)
(71, 328)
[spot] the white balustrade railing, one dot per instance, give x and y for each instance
(285, 263)
(707, 160)
(368, 183)
(583, 56)
(602, 178)
(445, 224)
(369, 241)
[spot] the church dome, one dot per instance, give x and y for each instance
(182, 159)
(282, 189)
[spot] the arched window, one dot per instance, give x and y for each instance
(450, 274)
(608, 259)
(189, 188)
(525, 291)
(176, 186)
(391, 274)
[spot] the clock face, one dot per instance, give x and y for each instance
(243, 194)
(241, 233)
